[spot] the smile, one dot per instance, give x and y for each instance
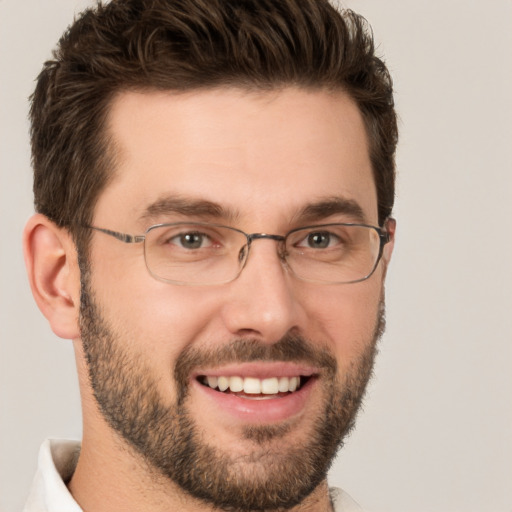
(257, 392)
(253, 387)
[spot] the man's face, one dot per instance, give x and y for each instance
(256, 162)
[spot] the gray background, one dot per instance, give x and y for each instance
(435, 433)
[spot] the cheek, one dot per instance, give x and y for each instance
(345, 317)
(152, 319)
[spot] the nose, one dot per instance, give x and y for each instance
(261, 302)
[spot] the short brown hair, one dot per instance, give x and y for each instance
(194, 44)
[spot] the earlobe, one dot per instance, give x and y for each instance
(51, 262)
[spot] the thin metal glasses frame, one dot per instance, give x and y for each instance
(384, 238)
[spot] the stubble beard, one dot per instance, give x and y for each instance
(170, 442)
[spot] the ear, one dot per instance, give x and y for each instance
(390, 225)
(54, 276)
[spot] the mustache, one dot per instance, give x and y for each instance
(290, 348)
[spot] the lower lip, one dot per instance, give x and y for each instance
(266, 410)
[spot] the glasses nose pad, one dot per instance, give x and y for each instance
(242, 255)
(282, 252)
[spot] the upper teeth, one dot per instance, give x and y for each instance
(253, 386)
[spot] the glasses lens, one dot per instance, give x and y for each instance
(197, 253)
(333, 253)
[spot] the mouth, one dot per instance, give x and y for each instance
(253, 388)
(256, 392)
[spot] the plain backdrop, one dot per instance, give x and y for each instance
(436, 430)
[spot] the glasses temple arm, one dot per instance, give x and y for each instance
(123, 237)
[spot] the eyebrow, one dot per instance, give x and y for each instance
(332, 206)
(188, 207)
(208, 210)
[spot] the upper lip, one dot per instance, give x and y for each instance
(259, 370)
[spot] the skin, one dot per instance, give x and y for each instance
(263, 156)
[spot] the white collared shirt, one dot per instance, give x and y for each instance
(57, 462)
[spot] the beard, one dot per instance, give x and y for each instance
(274, 475)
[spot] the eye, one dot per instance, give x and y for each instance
(319, 240)
(191, 240)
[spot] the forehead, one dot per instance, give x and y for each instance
(262, 156)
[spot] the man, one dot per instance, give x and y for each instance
(214, 182)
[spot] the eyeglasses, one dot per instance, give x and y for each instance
(200, 253)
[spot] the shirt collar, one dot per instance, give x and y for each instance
(56, 464)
